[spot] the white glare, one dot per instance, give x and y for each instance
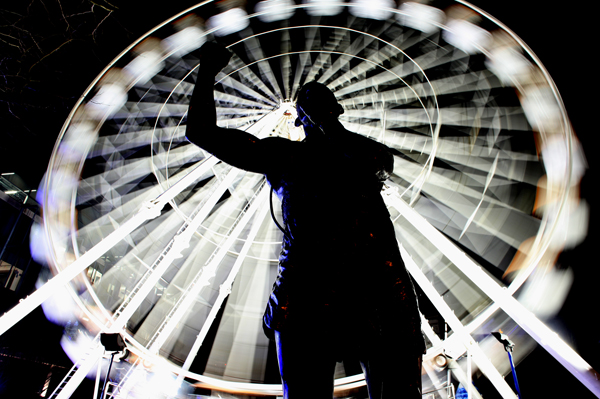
(324, 7)
(557, 159)
(274, 10)
(508, 65)
(38, 244)
(144, 66)
(60, 307)
(184, 41)
(77, 142)
(372, 9)
(466, 36)
(546, 290)
(107, 101)
(420, 17)
(228, 22)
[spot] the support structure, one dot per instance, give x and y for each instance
(548, 339)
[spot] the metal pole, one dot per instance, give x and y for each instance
(514, 373)
(112, 356)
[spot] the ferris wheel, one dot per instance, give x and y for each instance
(175, 250)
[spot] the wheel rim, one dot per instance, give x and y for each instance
(462, 125)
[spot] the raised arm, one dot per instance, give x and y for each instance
(235, 147)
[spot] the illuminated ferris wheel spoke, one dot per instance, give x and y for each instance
(130, 197)
(470, 346)
(254, 50)
(145, 244)
(153, 110)
(226, 288)
(246, 91)
(203, 277)
(154, 274)
(172, 251)
(132, 140)
(286, 63)
(458, 203)
(324, 57)
(525, 319)
(247, 346)
(232, 99)
(121, 185)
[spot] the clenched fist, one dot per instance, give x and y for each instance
(213, 57)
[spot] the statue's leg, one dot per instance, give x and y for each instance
(306, 365)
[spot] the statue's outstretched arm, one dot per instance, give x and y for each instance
(235, 147)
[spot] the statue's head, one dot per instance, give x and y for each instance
(316, 104)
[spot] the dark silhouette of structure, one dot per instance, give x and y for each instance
(342, 289)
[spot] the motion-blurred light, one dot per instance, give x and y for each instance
(323, 7)
(63, 180)
(557, 159)
(145, 66)
(184, 41)
(109, 99)
(78, 140)
(571, 226)
(60, 307)
(372, 9)
(228, 22)
(38, 244)
(466, 36)
(508, 65)
(274, 10)
(541, 109)
(76, 347)
(546, 290)
(420, 17)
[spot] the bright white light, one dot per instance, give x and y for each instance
(420, 17)
(163, 381)
(508, 65)
(184, 41)
(144, 66)
(372, 9)
(557, 159)
(542, 110)
(77, 142)
(274, 10)
(77, 347)
(229, 22)
(466, 36)
(109, 99)
(324, 7)
(545, 291)
(60, 307)
(11, 192)
(571, 225)
(62, 183)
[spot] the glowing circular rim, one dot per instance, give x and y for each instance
(542, 239)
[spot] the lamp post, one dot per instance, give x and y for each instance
(112, 343)
(508, 347)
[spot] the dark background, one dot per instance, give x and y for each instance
(51, 50)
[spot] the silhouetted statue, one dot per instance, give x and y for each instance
(342, 291)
